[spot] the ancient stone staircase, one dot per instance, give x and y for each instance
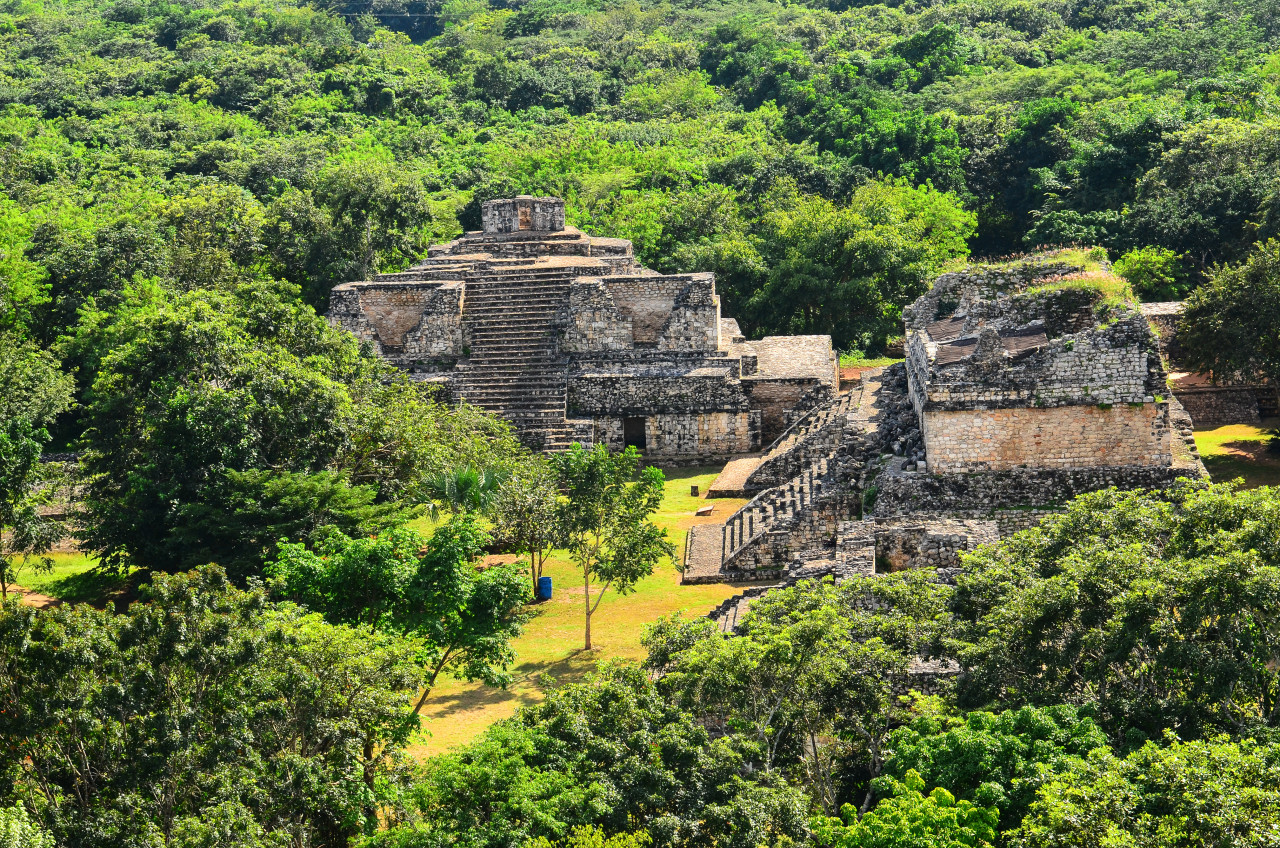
(811, 436)
(515, 369)
(808, 451)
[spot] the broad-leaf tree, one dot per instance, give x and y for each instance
(1231, 324)
(192, 390)
(609, 752)
(1161, 609)
(605, 517)
(526, 513)
(33, 390)
(429, 589)
(202, 716)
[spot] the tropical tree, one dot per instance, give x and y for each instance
(462, 617)
(526, 513)
(33, 391)
(18, 831)
(1162, 610)
(609, 753)
(464, 489)
(1231, 324)
(215, 400)
(907, 818)
(203, 711)
(1209, 792)
(605, 518)
(808, 676)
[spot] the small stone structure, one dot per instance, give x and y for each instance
(568, 337)
(1209, 402)
(1026, 369)
(1023, 387)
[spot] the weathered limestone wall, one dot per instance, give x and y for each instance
(1056, 437)
(545, 214)
(670, 312)
(797, 356)
(1113, 364)
(438, 335)
(694, 321)
(594, 322)
(687, 436)
(776, 398)
(627, 394)
(934, 544)
(950, 494)
(1217, 406)
(385, 312)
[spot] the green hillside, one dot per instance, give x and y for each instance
(783, 146)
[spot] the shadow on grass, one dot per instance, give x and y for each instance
(97, 587)
(532, 679)
(1251, 459)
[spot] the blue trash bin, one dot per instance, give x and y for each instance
(544, 588)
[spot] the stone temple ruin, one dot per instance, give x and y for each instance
(1023, 387)
(569, 338)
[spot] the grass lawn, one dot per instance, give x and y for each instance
(550, 650)
(1240, 450)
(73, 580)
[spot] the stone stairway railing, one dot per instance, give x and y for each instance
(814, 435)
(771, 506)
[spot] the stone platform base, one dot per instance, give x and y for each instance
(734, 476)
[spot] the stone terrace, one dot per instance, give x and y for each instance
(568, 337)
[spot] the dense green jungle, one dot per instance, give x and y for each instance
(290, 529)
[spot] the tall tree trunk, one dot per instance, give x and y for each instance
(586, 597)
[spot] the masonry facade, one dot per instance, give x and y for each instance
(1023, 387)
(568, 337)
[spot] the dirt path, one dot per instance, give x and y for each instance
(33, 599)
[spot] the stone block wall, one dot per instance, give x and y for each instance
(594, 322)
(780, 401)
(1057, 437)
(671, 312)
(783, 357)
(935, 544)
(382, 312)
(438, 335)
(1218, 406)
(626, 394)
(541, 214)
(1113, 364)
(898, 493)
(691, 436)
(812, 531)
(694, 322)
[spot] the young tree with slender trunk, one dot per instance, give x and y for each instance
(605, 519)
(526, 511)
(428, 589)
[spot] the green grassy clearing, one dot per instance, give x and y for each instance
(75, 580)
(1240, 451)
(550, 650)
(857, 359)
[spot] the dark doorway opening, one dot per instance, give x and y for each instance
(633, 433)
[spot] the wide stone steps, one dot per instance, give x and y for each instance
(514, 369)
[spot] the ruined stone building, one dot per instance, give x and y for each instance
(1023, 387)
(568, 337)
